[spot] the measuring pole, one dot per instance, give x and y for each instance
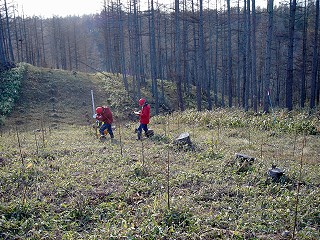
(94, 111)
(93, 108)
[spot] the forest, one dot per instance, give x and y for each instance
(232, 53)
(240, 81)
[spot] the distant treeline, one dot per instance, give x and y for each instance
(241, 56)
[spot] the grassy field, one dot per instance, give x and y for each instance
(58, 181)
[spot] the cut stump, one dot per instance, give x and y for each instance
(183, 139)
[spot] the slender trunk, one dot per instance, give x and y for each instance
(244, 57)
(289, 81)
(153, 60)
(304, 57)
(268, 57)
(229, 57)
(9, 32)
(215, 81)
(315, 59)
(254, 58)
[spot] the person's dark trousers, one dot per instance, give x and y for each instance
(104, 127)
(142, 127)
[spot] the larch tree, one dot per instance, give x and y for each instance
(267, 70)
(229, 58)
(254, 57)
(289, 79)
(314, 75)
(153, 57)
(304, 56)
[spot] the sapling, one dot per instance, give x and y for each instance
(294, 143)
(218, 137)
(168, 121)
(168, 180)
(42, 131)
(212, 135)
(249, 132)
(193, 126)
(261, 145)
(142, 153)
(120, 139)
(298, 188)
(19, 145)
(37, 146)
(178, 122)
(165, 128)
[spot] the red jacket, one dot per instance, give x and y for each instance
(145, 114)
(105, 116)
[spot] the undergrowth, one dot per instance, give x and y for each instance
(58, 181)
(64, 183)
(10, 84)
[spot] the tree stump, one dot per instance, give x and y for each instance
(275, 173)
(183, 139)
(149, 133)
(244, 162)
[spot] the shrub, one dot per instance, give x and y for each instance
(10, 88)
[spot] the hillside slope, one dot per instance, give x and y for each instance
(58, 97)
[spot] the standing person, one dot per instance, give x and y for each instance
(104, 115)
(144, 115)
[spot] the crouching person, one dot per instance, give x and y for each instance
(104, 115)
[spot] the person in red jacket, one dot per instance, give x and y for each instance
(144, 115)
(104, 115)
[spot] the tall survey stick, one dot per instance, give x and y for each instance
(93, 108)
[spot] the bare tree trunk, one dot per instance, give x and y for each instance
(3, 57)
(16, 34)
(196, 73)
(137, 56)
(215, 81)
(248, 58)
(203, 65)
(75, 37)
(289, 80)
(185, 51)
(37, 45)
(315, 60)
(304, 57)
(254, 58)
(9, 32)
(268, 57)
(43, 59)
(122, 48)
(153, 57)
(177, 55)
(229, 57)
(211, 64)
(244, 57)
(238, 61)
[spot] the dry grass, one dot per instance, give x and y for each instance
(59, 182)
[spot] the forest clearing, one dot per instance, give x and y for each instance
(58, 181)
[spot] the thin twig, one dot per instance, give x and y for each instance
(168, 119)
(42, 131)
(120, 139)
(142, 152)
(294, 143)
(19, 144)
(37, 147)
(168, 180)
(298, 189)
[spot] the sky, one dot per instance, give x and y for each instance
(49, 8)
